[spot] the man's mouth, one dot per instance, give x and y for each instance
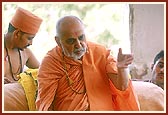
(79, 51)
(161, 75)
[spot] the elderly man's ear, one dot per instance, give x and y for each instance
(57, 39)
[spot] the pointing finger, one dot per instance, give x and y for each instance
(120, 51)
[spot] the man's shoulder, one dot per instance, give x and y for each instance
(93, 45)
(27, 52)
(98, 51)
(54, 54)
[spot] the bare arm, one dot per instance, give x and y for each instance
(120, 81)
(32, 61)
(6, 80)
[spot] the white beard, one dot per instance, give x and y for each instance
(73, 55)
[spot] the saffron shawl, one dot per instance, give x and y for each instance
(91, 73)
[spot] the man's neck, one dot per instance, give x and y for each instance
(8, 43)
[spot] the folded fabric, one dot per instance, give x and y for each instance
(28, 80)
(14, 97)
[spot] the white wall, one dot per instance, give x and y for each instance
(147, 32)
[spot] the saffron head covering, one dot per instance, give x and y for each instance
(26, 21)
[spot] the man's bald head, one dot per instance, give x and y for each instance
(66, 23)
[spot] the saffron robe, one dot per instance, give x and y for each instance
(90, 73)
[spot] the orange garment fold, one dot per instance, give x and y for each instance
(52, 80)
(91, 73)
(124, 100)
(101, 92)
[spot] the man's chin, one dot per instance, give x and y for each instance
(77, 57)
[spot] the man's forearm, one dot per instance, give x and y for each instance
(122, 78)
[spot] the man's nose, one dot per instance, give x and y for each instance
(30, 42)
(78, 44)
(162, 69)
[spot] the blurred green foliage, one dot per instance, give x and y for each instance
(104, 22)
(50, 12)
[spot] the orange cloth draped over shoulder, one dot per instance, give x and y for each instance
(91, 73)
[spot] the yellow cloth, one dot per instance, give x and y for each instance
(29, 84)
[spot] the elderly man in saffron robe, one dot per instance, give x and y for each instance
(78, 75)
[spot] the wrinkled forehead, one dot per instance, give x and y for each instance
(73, 32)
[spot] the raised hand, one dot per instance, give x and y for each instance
(123, 60)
